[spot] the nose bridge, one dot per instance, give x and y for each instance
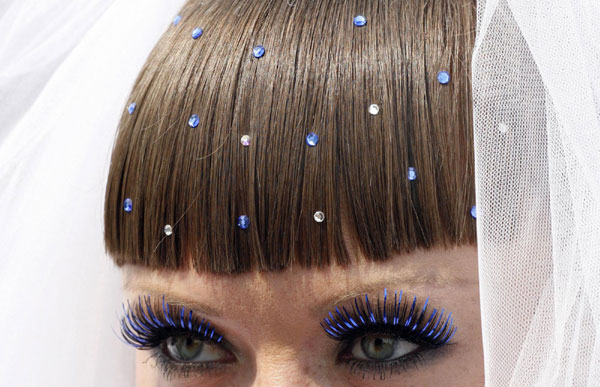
(281, 366)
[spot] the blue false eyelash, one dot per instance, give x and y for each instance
(145, 325)
(395, 319)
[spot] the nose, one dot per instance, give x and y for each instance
(283, 367)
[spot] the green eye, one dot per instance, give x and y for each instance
(377, 348)
(381, 348)
(190, 349)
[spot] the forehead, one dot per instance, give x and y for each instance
(431, 270)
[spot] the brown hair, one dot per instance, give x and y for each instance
(319, 74)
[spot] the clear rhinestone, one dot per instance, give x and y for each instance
(474, 212)
(360, 20)
(443, 77)
(319, 216)
(374, 109)
(128, 205)
(176, 20)
(131, 108)
(312, 139)
(412, 173)
(168, 230)
(245, 140)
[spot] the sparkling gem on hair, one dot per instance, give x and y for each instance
(197, 33)
(412, 173)
(243, 222)
(443, 77)
(128, 205)
(194, 121)
(360, 20)
(258, 51)
(312, 139)
(245, 140)
(319, 216)
(374, 109)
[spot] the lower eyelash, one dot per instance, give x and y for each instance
(171, 369)
(381, 370)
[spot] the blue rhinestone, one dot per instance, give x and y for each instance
(474, 212)
(197, 33)
(194, 120)
(128, 205)
(312, 139)
(131, 108)
(443, 77)
(176, 20)
(412, 173)
(258, 51)
(360, 20)
(243, 222)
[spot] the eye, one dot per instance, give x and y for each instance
(380, 348)
(193, 350)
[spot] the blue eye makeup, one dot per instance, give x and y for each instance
(385, 337)
(183, 344)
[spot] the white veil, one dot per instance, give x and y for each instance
(536, 90)
(66, 69)
(59, 291)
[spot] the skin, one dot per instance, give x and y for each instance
(272, 320)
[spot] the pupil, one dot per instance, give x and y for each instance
(378, 344)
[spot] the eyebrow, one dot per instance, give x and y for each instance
(375, 289)
(175, 299)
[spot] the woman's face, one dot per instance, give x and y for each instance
(272, 336)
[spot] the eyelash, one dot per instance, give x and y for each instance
(396, 320)
(146, 325)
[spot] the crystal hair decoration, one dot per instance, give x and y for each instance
(374, 109)
(474, 212)
(360, 20)
(312, 139)
(319, 216)
(243, 222)
(131, 107)
(128, 205)
(245, 140)
(258, 51)
(443, 77)
(412, 173)
(194, 121)
(197, 33)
